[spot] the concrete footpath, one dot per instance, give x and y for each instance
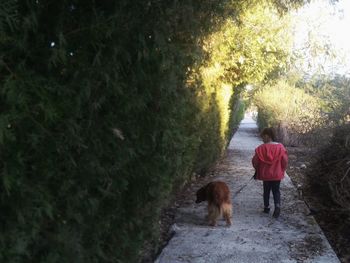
(254, 236)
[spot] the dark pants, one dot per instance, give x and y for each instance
(275, 187)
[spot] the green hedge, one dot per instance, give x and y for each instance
(105, 108)
(97, 123)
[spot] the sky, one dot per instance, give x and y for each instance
(324, 22)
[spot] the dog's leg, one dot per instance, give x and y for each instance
(210, 214)
(227, 213)
(213, 213)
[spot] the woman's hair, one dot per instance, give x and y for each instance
(269, 132)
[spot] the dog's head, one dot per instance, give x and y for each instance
(201, 194)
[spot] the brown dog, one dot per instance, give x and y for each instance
(219, 203)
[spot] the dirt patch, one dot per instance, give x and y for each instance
(301, 250)
(334, 222)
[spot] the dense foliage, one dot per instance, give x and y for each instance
(106, 106)
(289, 109)
(330, 173)
(303, 111)
(333, 169)
(335, 93)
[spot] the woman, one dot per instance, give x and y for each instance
(270, 163)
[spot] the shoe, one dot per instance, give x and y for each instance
(266, 210)
(277, 212)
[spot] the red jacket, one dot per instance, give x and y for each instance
(270, 161)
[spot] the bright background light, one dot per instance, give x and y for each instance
(326, 23)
